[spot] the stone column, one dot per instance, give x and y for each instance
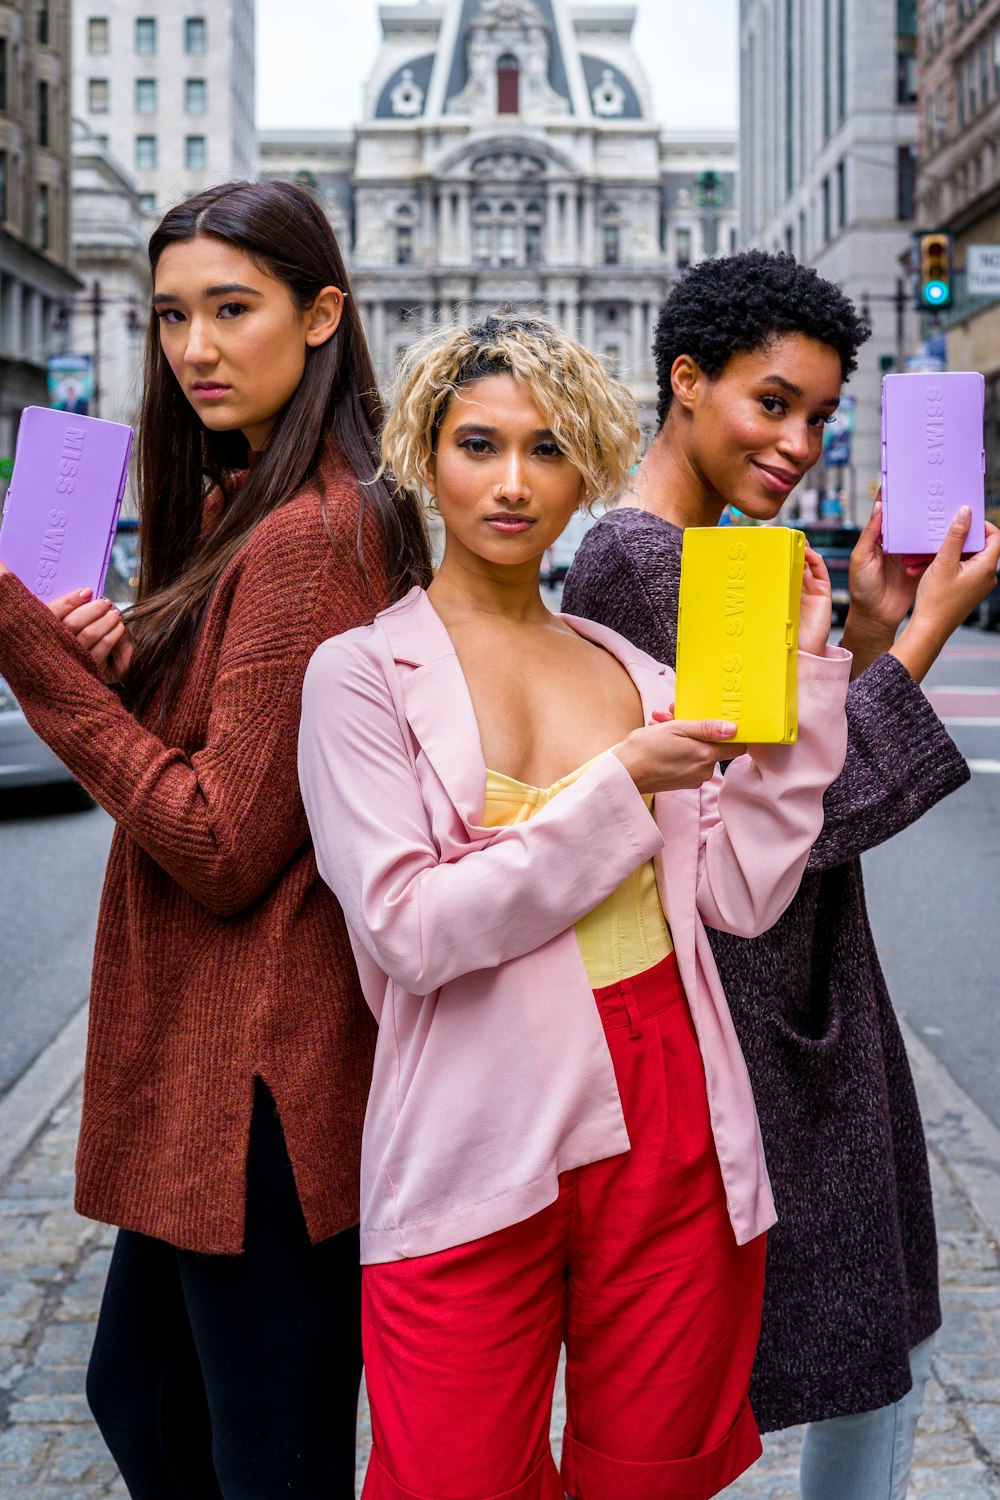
(589, 245)
(553, 237)
(638, 327)
(379, 350)
(588, 329)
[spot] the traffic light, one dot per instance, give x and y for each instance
(933, 269)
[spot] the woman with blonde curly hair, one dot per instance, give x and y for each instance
(561, 1144)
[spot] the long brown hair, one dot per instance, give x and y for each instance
(286, 233)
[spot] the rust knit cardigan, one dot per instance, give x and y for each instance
(221, 956)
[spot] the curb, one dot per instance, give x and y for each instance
(958, 1130)
(25, 1109)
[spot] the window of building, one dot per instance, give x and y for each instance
(507, 244)
(613, 359)
(43, 216)
(482, 244)
(404, 244)
(43, 23)
(842, 193)
(3, 72)
(906, 51)
(508, 85)
(145, 36)
(98, 96)
(97, 35)
(145, 96)
(825, 207)
(194, 36)
(533, 244)
(43, 113)
(906, 182)
(683, 243)
(195, 153)
(611, 243)
(733, 240)
(195, 96)
(147, 203)
(145, 153)
(4, 178)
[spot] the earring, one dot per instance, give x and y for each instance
(432, 504)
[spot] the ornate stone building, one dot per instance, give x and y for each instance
(508, 158)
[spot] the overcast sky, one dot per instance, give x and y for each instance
(314, 55)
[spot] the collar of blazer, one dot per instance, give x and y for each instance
(438, 706)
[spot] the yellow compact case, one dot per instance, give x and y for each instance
(738, 629)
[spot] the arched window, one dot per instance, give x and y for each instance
(508, 85)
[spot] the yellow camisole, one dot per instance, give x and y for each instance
(628, 932)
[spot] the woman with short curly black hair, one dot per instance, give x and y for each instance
(560, 1143)
(751, 352)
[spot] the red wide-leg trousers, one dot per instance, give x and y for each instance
(634, 1267)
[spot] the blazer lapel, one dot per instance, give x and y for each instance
(677, 814)
(436, 701)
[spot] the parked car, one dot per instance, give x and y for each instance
(558, 558)
(835, 545)
(25, 760)
(987, 616)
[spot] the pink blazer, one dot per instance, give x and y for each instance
(492, 1074)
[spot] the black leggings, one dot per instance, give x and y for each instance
(234, 1377)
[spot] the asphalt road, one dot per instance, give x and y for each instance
(934, 890)
(52, 858)
(933, 895)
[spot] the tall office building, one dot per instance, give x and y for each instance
(508, 156)
(828, 137)
(958, 185)
(34, 199)
(169, 89)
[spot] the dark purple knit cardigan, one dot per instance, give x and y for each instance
(852, 1263)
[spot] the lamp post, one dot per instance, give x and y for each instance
(96, 301)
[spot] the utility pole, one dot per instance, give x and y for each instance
(96, 303)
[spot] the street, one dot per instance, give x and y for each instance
(932, 895)
(53, 863)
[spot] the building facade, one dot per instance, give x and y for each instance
(508, 157)
(958, 183)
(34, 200)
(107, 321)
(170, 91)
(828, 141)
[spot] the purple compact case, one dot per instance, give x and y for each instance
(933, 459)
(62, 505)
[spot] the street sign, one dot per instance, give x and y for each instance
(838, 434)
(982, 270)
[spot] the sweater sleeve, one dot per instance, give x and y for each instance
(225, 820)
(424, 914)
(759, 820)
(900, 762)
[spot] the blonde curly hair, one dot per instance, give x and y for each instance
(592, 417)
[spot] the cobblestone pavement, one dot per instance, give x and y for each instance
(52, 1267)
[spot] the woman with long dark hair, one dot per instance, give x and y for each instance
(230, 1050)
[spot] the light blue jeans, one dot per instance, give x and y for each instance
(868, 1456)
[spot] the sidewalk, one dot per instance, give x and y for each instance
(53, 1269)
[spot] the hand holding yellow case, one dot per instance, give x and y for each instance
(738, 629)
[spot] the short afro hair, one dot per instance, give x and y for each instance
(740, 303)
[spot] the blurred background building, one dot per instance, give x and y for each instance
(958, 186)
(35, 275)
(828, 159)
(508, 157)
(169, 90)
